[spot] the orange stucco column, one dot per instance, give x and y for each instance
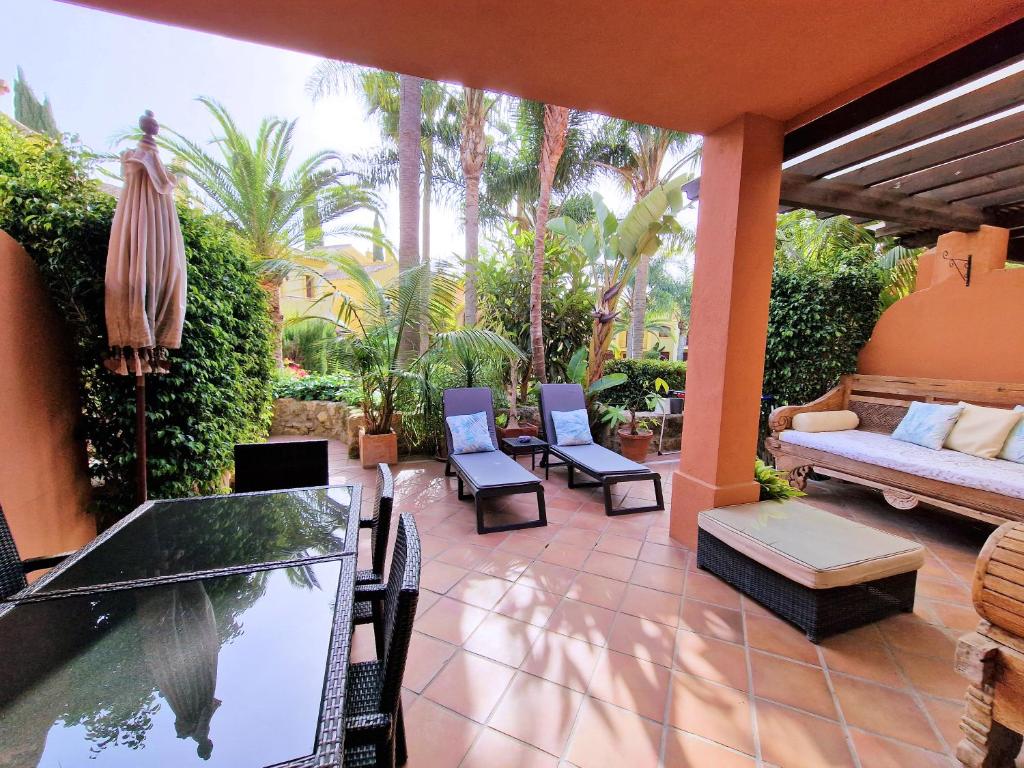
(739, 197)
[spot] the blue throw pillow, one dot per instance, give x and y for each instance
(572, 427)
(470, 433)
(927, 424)
(1013, 448)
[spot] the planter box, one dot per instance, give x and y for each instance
(377, 449)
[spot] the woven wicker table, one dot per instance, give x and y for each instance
(819, 571)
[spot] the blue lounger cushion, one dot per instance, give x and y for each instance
(492, 469)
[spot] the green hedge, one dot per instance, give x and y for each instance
(641, 375)
(333, 388)
(218, 391)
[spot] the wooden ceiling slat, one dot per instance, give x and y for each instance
(981, 185)
(994, 134)
(962, 110)
(1000, 197)
(990, 161)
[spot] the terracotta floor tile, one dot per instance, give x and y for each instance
(503, 639)
(471, 685)
(884, 711)
(631, 683)
(450, 620)
(644, 639)
(433, 545)
(564, 554)
(776, 636)
(437, 737)
(943, 589)
(962, 618)
(440, 577)
(709, 589)
(660, 535)
(946, 715)
(659, 577)
(798, 740)
(577, 537)
(609, 737)
(791, 683)
(716, 712)
(597, 590)
(425, 601)
(588, 521)
(660, 554)
(851, 655)
(609, 566)
(464, 555)
(480, 590)
(550, 578)
(618, 545)
(504, 565)
(712, 620)
(496, 750)
(533, 606)
(521, 544)
(684, 750)
(711, 659)
(517, 713)
(563, 660)
(876, 752)
(661, 607)
(544, 533)
(932, 676)
(909, 633)
(426, 657)
(583, 621)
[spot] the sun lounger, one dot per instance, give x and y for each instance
(488, 474)
(606, 467)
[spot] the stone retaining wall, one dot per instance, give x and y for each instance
(316, 418)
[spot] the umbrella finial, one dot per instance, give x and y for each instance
(150, 128)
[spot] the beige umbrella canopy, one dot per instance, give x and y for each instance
(145, 277)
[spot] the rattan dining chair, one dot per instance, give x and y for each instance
(374, 726)
(380, 527)
(13, 568)
(280, 466)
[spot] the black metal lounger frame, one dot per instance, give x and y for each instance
(481, 400)
(603, 480)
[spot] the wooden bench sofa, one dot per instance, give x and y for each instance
(986, 489)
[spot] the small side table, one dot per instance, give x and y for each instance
(514, 447)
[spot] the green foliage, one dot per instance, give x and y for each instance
(306, 343)
(577, 374)
(335, 388)
(641, 377)
(774, 486)
(218, 390)
(32, 113)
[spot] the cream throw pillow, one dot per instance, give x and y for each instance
(825, 421)
(981, 431)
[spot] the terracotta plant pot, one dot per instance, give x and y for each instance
(634, 447)
(530, 430)
(377, 449)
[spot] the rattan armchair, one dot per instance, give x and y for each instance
(374, 727)
(13, 568)
(368, 611)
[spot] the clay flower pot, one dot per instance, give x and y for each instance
(377, 449)
(634, 447)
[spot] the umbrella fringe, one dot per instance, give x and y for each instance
(128, 361)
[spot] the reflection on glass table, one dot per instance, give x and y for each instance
(223, 671)
(182, 536)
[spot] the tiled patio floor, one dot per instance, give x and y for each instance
(595, 642)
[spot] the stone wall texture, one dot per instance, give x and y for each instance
(316, 418)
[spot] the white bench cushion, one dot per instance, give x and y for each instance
(995, 475)
(809, 546)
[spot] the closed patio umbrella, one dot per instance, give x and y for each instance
(145, 277)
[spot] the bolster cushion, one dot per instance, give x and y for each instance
(825, 421)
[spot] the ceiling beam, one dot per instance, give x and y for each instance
(877, 204)
(985, 101)
(980, 185)
(938, 176)
(999, 197)
(984, 55)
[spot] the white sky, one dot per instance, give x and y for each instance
(101, 71)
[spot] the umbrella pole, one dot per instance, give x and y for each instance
(141, 491)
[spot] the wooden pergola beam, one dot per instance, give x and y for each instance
(830, 195)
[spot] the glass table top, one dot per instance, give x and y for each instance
(183, 536)
(222, 671)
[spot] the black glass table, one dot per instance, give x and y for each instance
(163, 540)
(231, 651)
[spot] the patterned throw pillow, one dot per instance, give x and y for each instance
(572, 427)
(470, 433)
(927, 424)
(1013, 448)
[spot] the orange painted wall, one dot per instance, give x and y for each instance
(950, 331)
(44, 487)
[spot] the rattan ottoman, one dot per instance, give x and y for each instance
(819, 571)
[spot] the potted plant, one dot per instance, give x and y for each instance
(635, 438)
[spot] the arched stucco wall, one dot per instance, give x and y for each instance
(44, 487)
(950, 331)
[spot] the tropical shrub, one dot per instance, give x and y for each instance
(307, 344)
(218, 391)
(335, 388)
(774, 485)
(641, 376)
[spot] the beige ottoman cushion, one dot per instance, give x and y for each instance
(811, 547)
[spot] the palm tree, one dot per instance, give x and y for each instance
(268, 199)
(637, 154)
(473, 151)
